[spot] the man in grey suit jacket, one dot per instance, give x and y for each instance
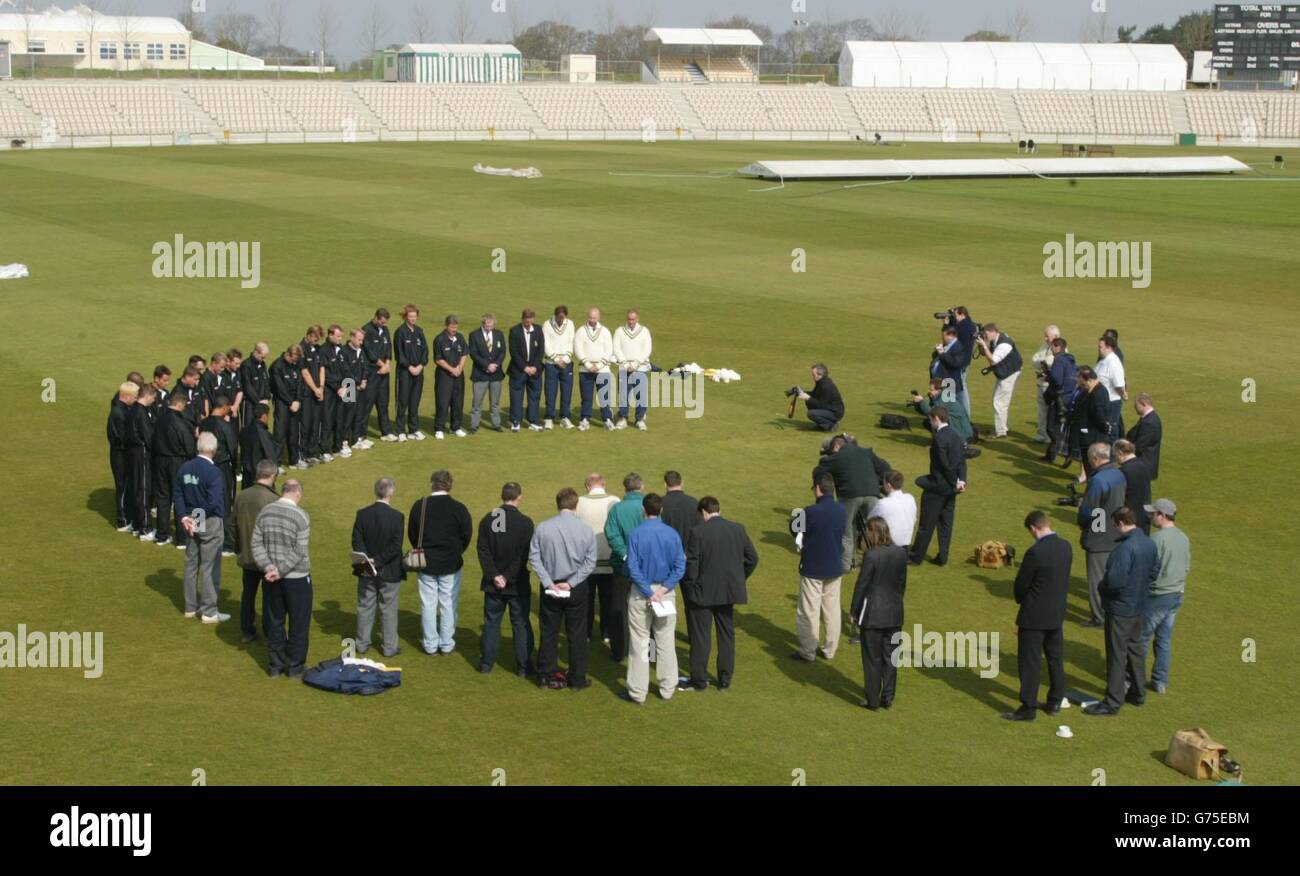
(377, 533)
(719, 559)
(487, 349)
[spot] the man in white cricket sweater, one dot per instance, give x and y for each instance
(632, 353)
(558, 335)
(593, 350)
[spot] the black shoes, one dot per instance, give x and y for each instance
(870, 708)
(1020, 714)
(1135, 699)
(1100, 709)
(484, 669)
(795, 655)
(1052, 708)
(1092, 625)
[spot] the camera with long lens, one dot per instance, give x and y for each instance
(1072, 500)
(794, 390)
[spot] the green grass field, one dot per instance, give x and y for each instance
(347, 228)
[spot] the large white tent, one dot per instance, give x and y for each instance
(459, 62)
(1056, 66)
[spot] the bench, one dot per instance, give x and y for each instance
(1101, 149)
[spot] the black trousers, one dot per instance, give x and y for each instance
(409, 390)
(310, 416)
(573, 612)
(121, 474)
(824, 419)
(1125, 658)
(248, 602)
(494, 608)
(331, 437)
(702, 620)
(376, 399)
(878, 669)
(619, 588)
(449, 395)
(231, 536)
(286, 599)
(345, 422)
(286, 430)
(138, 498)
(936, 510)
(599, 590)
(164, 473)
(1031, 647)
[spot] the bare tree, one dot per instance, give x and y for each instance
(892, 26)
(1018, 24)
(29, 24)
(276, 22)
(515, 21)
(327, 26)
(374, 30)
(90, 17)
(920, 26)
(462, 22)
(1095, 28)
(126, 26)
(421, 22)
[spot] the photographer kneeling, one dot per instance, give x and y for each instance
(825, 406)
(957, 417)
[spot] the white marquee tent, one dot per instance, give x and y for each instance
(1057, 66)
(459, 62)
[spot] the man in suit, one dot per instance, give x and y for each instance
(1137, 482)
(1091, 416)
(940, 488)
(681, 513)
(377, 533)
(947, 364)
(1146, 434)
(825, 404)
(858, 474)
(250, 502)
(877, 608)
(527, 349)
(1042, 586)
(227, 458)
(719, 560)
(487, 350)
(1130, 571)
(256, 444)
(504, 536)
(1104, 496)
(820, 529)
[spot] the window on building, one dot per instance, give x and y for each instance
(108, 51)
(80, 47)
(36, 47)
(154, 51)
(178, 51)
(131, 51)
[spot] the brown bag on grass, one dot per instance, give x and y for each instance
(1193, 753)
(993, 555)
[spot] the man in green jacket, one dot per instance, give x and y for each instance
(958, 419)
(623, 518)
(247, 505)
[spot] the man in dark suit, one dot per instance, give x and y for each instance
(526, 351)
(487, 350)
(1147, 433)
(947, 363)
(504, 535)
(256, 444)
(719, 559)
(227, 458)
(1137, 482)
(1132, 567)
(877, 609)
(377, 533)
(1042, 586)
(173, 446)
(939, 489)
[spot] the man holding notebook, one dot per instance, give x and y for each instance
(655, 564)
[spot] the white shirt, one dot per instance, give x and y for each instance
(1000, 352)
(1110, 371)
(899, 512)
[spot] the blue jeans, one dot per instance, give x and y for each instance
(1159, 621)
(635, 391)
(519, 384)
(438, 595)
(599, 385)
(561, 379)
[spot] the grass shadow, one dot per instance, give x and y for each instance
(779, 642)
(103, 501)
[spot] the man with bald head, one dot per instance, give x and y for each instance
(1042, 360)
(255, 381)
(593, 350)
(593, 510)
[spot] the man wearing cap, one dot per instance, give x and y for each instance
(1175, 555)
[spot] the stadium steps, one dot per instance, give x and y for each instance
(697, 75)
(1012, 122)
(691, 120)
(15, 115)
(1179, 118)
(844, 111)
(215, 129)
(521, 106)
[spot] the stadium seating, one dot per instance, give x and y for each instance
(568, 109)
(76, 110)
(630, 107)
(407, 108)
(478, 109)
(1228, 113)
(730, 109)
(1132, 114)
(243, 108)
(1056, 112)
(672, 70)
(892, 109)
(727, 69)
(1283, 116)
(964, 110)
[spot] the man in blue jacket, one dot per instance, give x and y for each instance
(820, 529)
(655, 564)
(1132, 567)
(200, 498)
(1105, 495)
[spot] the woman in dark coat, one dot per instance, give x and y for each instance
(878, 610)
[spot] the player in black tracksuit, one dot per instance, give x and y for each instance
(449, 349)
(227, 458)
(256, 383)
(119, 417)
(351, 404)
(173, 446)
(332, 355)
(311, 392)
(378, 346)
(285, 391)
(139, 440)
(411, 349)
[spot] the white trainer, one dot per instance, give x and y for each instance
(514, 427)
(419, 436)
(640, 424)
(533, 427)
(566, 423)
(584, 425)
(549, 424)
(609, 424)
(326, 457)
(149, 536)
(438, 436)
(215, 618)
(402, 437)
(621, 424)
(461, 433)
(191, 614)
(346, 452)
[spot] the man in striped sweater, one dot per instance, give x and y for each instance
(593, 350)
(280, 540)
(558, 334)
(632, 353)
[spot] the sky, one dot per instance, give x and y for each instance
(1050, 20)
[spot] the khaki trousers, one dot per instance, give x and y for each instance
(643, 625)
(818, 599)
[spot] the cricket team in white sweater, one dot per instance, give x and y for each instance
(593, 352)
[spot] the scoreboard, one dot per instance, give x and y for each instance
(1257, 37)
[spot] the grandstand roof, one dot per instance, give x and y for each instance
(460, 49)
(703, 36)
(78, 20)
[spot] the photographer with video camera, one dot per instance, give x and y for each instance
(967, 329)
(825, 406)
(937, 395)
(1004, 364)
